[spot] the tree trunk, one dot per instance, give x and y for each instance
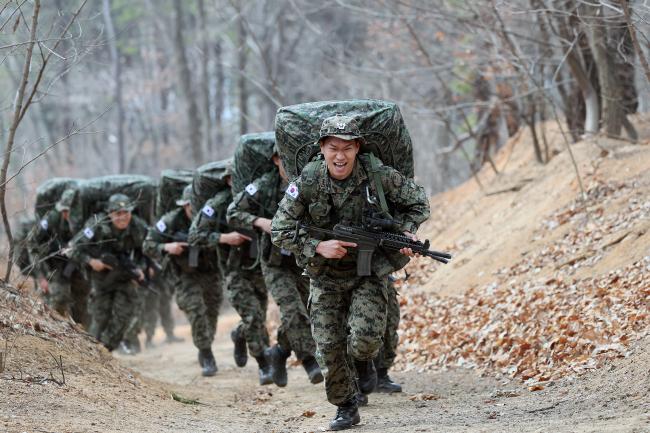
(17, 116)
(117, 76)
(242, 57)
(219, 84)
(610, 89)
(205, 78)
(185, 78)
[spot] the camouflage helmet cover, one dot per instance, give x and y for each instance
(65, 202)
(118, 202)
(343, 127)
(186, 198)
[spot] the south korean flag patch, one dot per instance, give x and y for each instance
(208, 211)
(44, 224)
(292, 191)
(161, 226)
(89, 233)
(251, 189)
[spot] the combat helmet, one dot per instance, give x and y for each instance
(186, 198)
(118, 202)
(343, 127)
(65, 202)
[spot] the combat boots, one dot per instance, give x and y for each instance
(367, 376)
(385, 383)
(240, 354)
(313, 370)
(266, 376)
(278, 357)
(207, 362)
(347, 415)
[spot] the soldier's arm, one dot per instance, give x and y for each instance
(155, 240)
(284, 227)
(204, 230)
(38, 242)
(243, 210)
(83, 246)
(409, 199)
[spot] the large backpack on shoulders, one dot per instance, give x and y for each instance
(381, 123)
(49, 192)
(208, 180)
(252, 159)
(170, 189)
(142, 190)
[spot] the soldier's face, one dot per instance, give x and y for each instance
(188, 210)
(65, 214)
(339, 155)
(120, 219)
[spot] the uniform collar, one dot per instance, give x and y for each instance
(356, 178)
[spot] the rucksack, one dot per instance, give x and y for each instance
(142, 190)
(49, 192)
(208, 180)
(252, 159)
(170, 188)
(381, 123)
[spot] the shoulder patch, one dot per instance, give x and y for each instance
(292, 191)
(44, 224)
(161, 226)
(89, 233)
(251, 189)
(208, 211)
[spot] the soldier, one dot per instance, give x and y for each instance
(348, 312)
(111, 245)
(199, 292)
(242, 285)
(252, 209)
(63, 285)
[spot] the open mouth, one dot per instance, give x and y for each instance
(340, 164)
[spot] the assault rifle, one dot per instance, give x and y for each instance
(369, 240)
(193, 250)
(123, 264)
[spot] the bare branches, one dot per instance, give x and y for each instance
(635, 40)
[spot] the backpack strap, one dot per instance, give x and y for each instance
(375, 179)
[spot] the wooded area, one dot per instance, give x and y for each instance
(139, 86)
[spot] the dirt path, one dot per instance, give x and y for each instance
(444, 402)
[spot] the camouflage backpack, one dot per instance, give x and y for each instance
(252, 159)
(49, 192)
(142, 190)
(22, 258)
(208, 180)
(385, 135)
(170, 188)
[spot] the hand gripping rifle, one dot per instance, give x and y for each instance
(369, 240)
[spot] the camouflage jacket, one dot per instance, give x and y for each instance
(45, 242)
(260, 199)
(99, 238)
(318, 200)
(208, 224)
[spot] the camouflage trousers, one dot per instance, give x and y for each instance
(69, 296)
(159, 305)
(388, 351)
(348, 319)
(199, 296)
(248, 296)
(113, 309)
(290, 290)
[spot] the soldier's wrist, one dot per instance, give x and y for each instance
(309, 249)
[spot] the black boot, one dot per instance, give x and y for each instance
(313, 370)
(207, 362)
(266, 377)
(240, 354)
(278, 357)
(367, 376)
(347, 415)
(362, 399)
(385, 383)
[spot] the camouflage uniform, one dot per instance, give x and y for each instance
(282, 276)
(348, 312)
(114, 297)
(67, 294)
(198, 292)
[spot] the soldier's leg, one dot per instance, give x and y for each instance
(244, 293)
(123, 310)
(190, 300)
(100, 305)
(213, 297)
(134, 325)
(165, 312)
(60, 297)
(329, 311)
(388, 352)
(367, 324)
(80, 294)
